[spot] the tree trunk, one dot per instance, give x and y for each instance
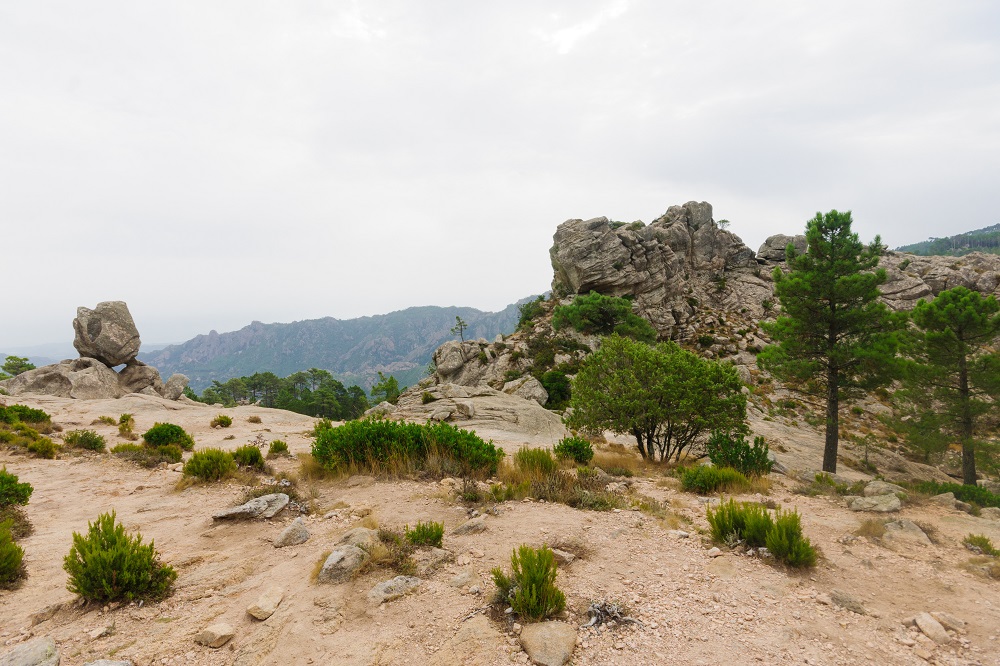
(832, 421)
(968, 446)
(642, 449)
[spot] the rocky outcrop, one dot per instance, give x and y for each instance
(774, 248)
(82, 378)
(106, 333)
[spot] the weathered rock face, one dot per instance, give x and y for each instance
(106, 333)
(774, 247)
(137, 376)
(82, 378)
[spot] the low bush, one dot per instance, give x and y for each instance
(786, 543)
(535, 461)
(253, 419)
(84, 439)
(43, 447)
(982, 544)
(11, 557)
(149, 456)
(427, 397)
(11, 491)
(105, 420)
(747, 522)
(425, 534)
(20, 525)
(557, 385)
(972, 494)
(598, 314)
(163, 434)
(704, 480)
(729, 450)
(392, 446)
(126, 422)
(249, 456)
(577, 448)
(221, 421)
(22, 413)
(277, 448)
(109, 565)
(211, 465)
(530, 589)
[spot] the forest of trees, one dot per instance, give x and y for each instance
(313, 392)
(985, 240)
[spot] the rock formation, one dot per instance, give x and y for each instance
(105, 337)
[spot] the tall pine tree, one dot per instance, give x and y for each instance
(833, 336)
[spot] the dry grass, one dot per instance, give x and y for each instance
(873, 528)
(985, 567)
(314, 576)
(311, 470)
(368, 521)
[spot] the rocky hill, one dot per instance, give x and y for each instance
(985, 240)
(399, 343)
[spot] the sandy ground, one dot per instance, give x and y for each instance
(694, 609)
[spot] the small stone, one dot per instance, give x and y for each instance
(462, 578)
(562, 557)
(932, 629)
(99, 632)
(680, 534)
(267, 603)
(516, 629)
(549, 643)
(474, 589)
(265, 506)
(362, 537)
(341, 564)
(360, 481)
(393, 589)
(878, 487)
(949, 621)
(844, 600)
(293, 535)
(216, 635)
(922, 653)
(714, 552)
(474, 526)
(46, 613)
(825, 599)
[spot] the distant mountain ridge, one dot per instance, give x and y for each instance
(354, 350)
(986, 240)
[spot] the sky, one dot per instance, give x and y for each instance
(217, 163)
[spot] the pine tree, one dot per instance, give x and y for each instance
(833, 336)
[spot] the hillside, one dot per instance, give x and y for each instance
(985, 240)
(399, 343)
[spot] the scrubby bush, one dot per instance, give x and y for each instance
(149, 456)
(704, 480)
(277, 448)
(535, 461)
(221, 421)
(973, 494)
(126, 422)
(249, 456)
(556, 384)
(425, 534)
(386, 445)
(529, 311)
(14, 413)
(603, 315)
(426, 398)
(786, 543)
(162, 434)
(982, 544)
(11, 557)
(211, 465)
(577, 448)
(530, 589)
(12, 492)
(747, 522)
(43, 447)
(105, 420)
(732, 450)
(253, 419)
(109, 565)
(84, 439)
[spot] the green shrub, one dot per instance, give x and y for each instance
(109, 565)
(12, 492)
(974, 494)
(253, 419)
(530, 589)
(616, 470)
(786, 543)
(981, 543)
(425, 534)
(427, 397)
(537, 461)
(746, 521)
(43, 447)
(603, 315)
(556, 384)
(529, 312)
(706, 340)
(728, 450)
(126, 422)
(84, 439)
(106, 420)
(249, 456)
(7, 437)
(162, 434)
(11, 557)
(704, 479)
(149, 456)
(221, 421)
(321, 426)
(277, 448)
(378, 445)
(211, 465)
(21, 526)
(577, 448)
(14, 413)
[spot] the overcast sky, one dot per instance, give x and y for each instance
(212, 163)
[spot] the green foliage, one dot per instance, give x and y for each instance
(126, 422)
(162, 434)
(148, 456)
(11, 556)
(732, 450)
(425, 534)
(249, 456)
(313, 392)
(953, 377)
(786, 543)
(427, 397)
(577, 448)
(14, 413)
(43, 447)
(747, 522)
(211, 465)
(981, 543)
(386, 388)
(557, 385)
(109, 565)
(221, 421)
(985, 240)
(106, 420)
(597, 314)
(529, 312)
(85, 439)
(15, 365)
(384, 444)
(973, 494)
(12, 492)
(705, 341)
(535, 461)
(704, 480)
(459, 327)
(668, 398)
(277, 448)
(834, 337)
(530, 588)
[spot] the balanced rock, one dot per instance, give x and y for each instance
(267, 603)
(216, 635)
(393, 589)
(341, 564)
(106, 333)
(549, 643)
(293, 535)
(37, 652)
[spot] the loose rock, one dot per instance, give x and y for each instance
(215, 636)
(293, 535)
(267, 603)
(877, 503)
(341, 564)
(932, 628)
(393, 589)
(549, 643)
(474, 526)
(878, 487)
(265, 506)
(37, 652)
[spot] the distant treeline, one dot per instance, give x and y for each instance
(313, 392)
(986, 240)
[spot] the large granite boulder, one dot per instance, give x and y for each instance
(106, 333)
(137, 376)
(774, 247)
(174, 388)
(81, 378)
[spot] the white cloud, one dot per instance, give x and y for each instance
(564, 39)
